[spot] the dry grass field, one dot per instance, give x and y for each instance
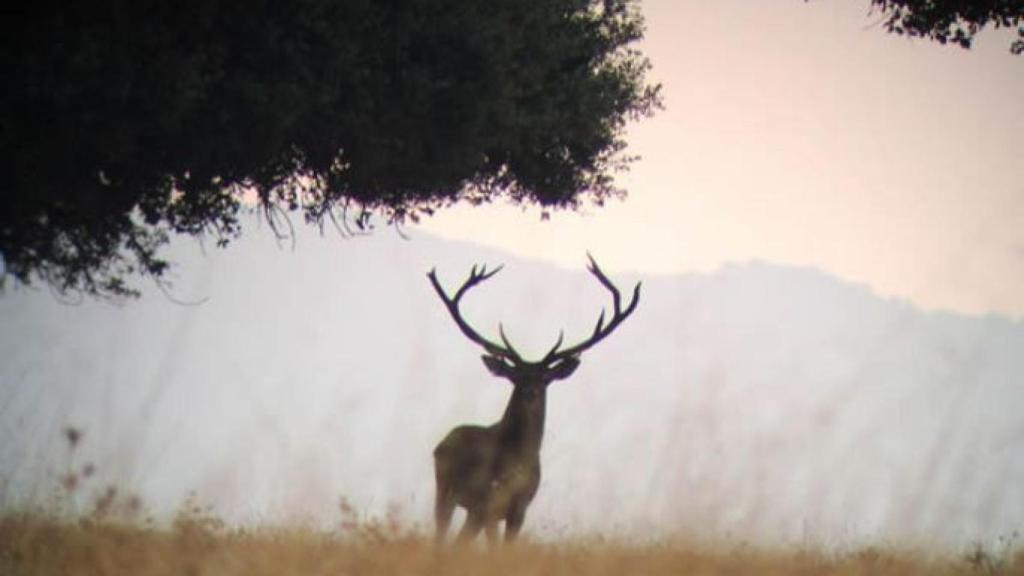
(90, 530)
(196, 544)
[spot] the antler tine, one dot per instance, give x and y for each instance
(596, 271)
(554, 349)
(601, 330)
(600, 323)
(476, 276)
(501, 332)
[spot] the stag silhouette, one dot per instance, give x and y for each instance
(494, 471)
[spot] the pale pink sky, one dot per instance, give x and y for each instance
(802, 133)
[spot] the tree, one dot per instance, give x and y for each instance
(955, 21)
(126, 121)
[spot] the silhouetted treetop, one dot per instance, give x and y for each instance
(955, 21)
(126, 121)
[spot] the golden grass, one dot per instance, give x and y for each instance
(196, 544)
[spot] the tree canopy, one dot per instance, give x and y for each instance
(956, 21)
(125, 121)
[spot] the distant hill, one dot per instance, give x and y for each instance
(759, 402)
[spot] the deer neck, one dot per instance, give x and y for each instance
(522, 425)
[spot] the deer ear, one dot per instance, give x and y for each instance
(564, 368)
(497, 365)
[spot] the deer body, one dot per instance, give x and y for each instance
(494, 471)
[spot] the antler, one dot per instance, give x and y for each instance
(601, 330)
(452, 304)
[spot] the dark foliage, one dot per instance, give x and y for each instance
(955, 21)
(126, 121)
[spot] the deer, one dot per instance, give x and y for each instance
(493, 472)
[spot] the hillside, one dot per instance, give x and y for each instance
(759, 402)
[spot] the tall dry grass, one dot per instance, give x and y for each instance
(38, 543)
(107, 532)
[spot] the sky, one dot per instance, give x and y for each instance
(802, 133)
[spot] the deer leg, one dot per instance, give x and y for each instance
(514, 522)
(491, 531)
(474, 523)
(444, 500)
(444, 507)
